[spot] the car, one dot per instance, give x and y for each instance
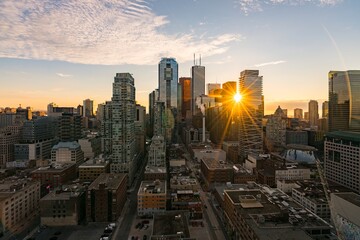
(112, 225)
(108, 230)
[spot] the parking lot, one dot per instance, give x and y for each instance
(140, 228)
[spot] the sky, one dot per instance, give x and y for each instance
(65, 51)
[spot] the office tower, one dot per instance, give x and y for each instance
(313, 113)
(212, 87)
(70, 127)
(325, 109)
(100, 112)
(229, 90)
(51, 107)
(168, 82)
(123, 125)
(24, 113)
(344, 95)
(251, 113)
(80, 110)
(185, 83)
(197, 86)
(306, 116)
(8, 138)
(341, 158)
(88, 106)
(39, 129)
(298, 113)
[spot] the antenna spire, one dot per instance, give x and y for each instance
(200, 60)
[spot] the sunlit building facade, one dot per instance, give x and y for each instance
(251, 113)
(197, 85)
(313, 113)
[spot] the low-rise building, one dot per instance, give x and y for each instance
(151, 197)
(187, 200)
(63, 207)
(152, 173)
(183, 183)
(92, 169)
(286, 185)
(214, 171)
(53, 176)
(91, 146)
(242, 175)
(263, 214)
(170, 226)
(67, 152)
(19, 204)
(106, 197)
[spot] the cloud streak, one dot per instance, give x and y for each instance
(269, 63)
(108, 32)
(63, 75)
(248, 6)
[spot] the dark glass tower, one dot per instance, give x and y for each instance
(344, 101)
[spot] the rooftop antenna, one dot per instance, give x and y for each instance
(194, 60)
(200, 60)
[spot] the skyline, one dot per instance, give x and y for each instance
(65, 52)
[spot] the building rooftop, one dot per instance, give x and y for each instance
(12, 185)
(54, 168)
(111, 181)
(182, 180)
(153, 169)
(272, 214)
(351, 136)
(65, 193)
(152, 187)
(171, 224)
(350, 197)
(220, 188)
(95, 163)
(71, 145)
(214, 164)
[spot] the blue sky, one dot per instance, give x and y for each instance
(66, 51)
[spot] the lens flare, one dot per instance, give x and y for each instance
(237, 97)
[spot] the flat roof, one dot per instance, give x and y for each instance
(212, 163)
(111, 180)
(350, 197)
(153, 169)
(56, 168)
(346, 135)
(71, 145)
(152, 187)
(94, 163)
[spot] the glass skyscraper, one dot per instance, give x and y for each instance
(168, 82)
(344, 101)
(251, 113)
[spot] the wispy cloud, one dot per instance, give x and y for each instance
(248, 6)
(96, 32)
(63, 75)
(269, 63)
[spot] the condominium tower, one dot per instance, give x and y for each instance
(313, 113)
(123, 125)
(251, 113)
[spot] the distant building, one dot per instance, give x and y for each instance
(168, 80)
(325, 109)
(151, 197)
(313, 113)
(298, 113)
(88, 108)
(153, 173)
(197, 86)
(276, 128)
(70, 127)
(185, 83)
(212, 86)
(296, 137)
(19, 204)
(188, 200)
(8, 139)
(170, 225)
(214, 171)
(106, 197)
(140, 129)
(91, 146)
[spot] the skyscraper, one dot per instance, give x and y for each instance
(298, 113)
(344, 100)
(123, 125)
(212, 86)
(251, 113)
(153, 98)
(313, 113)
(325, 109)
(197, 85)
(88, 108)
(168, 81)
(185, 83)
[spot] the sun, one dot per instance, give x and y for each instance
(237, 97)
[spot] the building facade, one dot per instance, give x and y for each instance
(168, 82)
(197, 86)
(185, 83)
(313, 113)
(67, 152)
(298, 113)
(151, 197)
(344, 95)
